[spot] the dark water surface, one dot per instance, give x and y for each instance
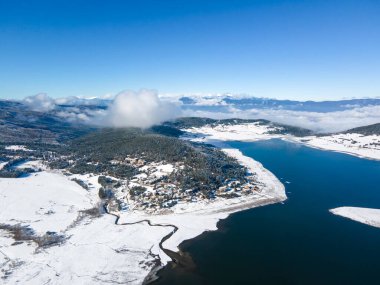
(298, 242)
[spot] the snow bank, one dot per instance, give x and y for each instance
(2, 164)
(33, 164)
(366, 216)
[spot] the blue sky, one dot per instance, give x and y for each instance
(281, 49)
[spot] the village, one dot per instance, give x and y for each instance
(153, 187)
(155, 190)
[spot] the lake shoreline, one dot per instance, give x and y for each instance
(272, 241)
(274, 192)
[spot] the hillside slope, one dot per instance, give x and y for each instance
(366, 130)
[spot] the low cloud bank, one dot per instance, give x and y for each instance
(40, 102)
(319, 122)
(80, 115)
(145, 108)
(139, 109)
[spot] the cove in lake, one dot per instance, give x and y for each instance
(298, 242)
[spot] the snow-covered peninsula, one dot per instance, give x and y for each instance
(351, 143)
(366, 216)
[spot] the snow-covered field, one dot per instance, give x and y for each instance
(96, 251)
(47, 201)
(239, 132)
(363, 215)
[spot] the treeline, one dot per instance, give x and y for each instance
(207, 169)
(366, 130)
(10, 170)
(117, 144)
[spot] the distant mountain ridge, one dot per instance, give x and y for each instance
(222, 103)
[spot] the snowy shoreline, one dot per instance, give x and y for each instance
(327, 144)
(367, 147)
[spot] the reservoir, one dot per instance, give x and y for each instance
(299, 241)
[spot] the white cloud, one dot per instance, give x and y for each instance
(128, 109)
(77, 115)
(138, 109)
(40, 102)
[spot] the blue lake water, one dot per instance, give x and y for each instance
(298, 242)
